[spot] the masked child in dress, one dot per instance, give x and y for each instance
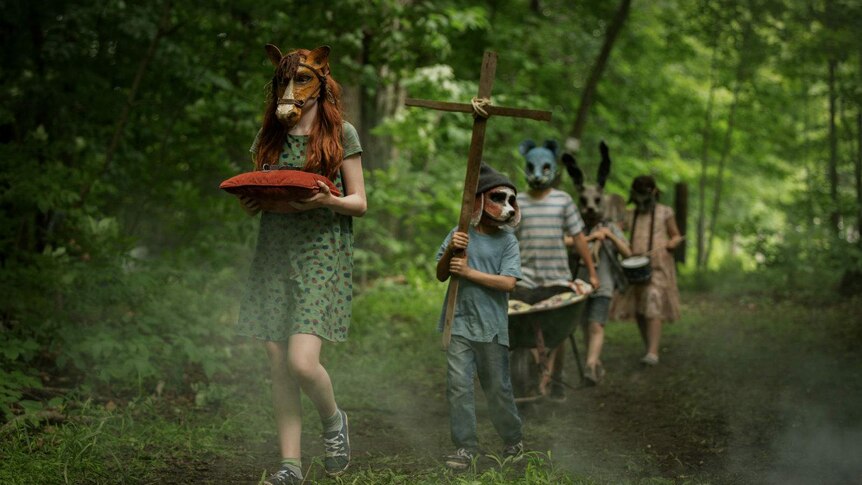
(300, 285)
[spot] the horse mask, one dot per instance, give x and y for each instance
(496, 200)
(541, 168)
(299, 81)
(594, 205)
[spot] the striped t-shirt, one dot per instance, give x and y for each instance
(544, 223)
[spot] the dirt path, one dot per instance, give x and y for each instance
(747, 392)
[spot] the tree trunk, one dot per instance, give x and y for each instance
(719, 178)
(858, 173)
(536, 6)
(367, 106)
(806, 156)
(700, 260)
(857, 168)
(375, 103)
(596, 72)
(680, 202)
(834, 215)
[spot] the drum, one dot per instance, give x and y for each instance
(637, 269)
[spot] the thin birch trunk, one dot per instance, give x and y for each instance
(719, 179)
(700, 260)
(858, 174)
(806, 155)
(834, 215)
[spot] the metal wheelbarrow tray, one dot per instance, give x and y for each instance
(533, 333)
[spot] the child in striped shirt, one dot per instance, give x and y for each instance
(551, 226)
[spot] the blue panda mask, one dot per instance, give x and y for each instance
(541, 167)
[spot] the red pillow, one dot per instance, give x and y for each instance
(274, 189)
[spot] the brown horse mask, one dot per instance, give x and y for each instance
(299, 81)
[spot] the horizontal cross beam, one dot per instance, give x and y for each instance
(532, 114)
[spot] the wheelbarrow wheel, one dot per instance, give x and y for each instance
(525, 373)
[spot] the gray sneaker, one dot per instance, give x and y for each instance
(337, 446)
(285, 476)
(515, 452)
(460, 460)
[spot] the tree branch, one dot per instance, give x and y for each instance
(122, 120)
(598, 68)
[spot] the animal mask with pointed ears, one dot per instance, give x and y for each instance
(300, 81)
(541, 166)
(594, 205)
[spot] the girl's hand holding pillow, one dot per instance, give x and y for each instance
(324, 198)
(249, 205)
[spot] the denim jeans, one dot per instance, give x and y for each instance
(491, 360)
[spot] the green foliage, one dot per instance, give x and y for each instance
(121, 263)
(13, 381)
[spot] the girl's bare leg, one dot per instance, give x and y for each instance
(642, 327)
(595, 341)
(304, 364)
(653, 335)
(285, 400)
(295, 365)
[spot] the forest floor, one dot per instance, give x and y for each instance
(750, 389)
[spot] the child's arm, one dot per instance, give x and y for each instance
(459, 242)
(620, 243)
(458, 266)
(580, 243)
(673, 233)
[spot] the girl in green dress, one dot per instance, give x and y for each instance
(300, 285)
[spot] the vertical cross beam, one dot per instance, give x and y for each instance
(471, 182)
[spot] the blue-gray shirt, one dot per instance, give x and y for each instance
(481, 313)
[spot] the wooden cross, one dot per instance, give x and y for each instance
(474, 158)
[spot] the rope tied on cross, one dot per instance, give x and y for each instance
(479, 105)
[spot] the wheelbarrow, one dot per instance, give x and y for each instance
(534, 331)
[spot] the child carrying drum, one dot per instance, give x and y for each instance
(656, 299)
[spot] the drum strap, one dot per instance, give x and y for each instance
(651, 228)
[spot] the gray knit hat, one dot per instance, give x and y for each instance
(490, 178)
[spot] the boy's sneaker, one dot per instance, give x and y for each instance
(515, 451)
(285, 476)
(460, 460)
(337, 449)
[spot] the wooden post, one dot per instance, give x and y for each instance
(474, 158)
(681, 209)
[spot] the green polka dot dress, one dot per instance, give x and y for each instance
(301, 278)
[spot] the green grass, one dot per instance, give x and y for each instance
(391, 373)
(94, 445)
